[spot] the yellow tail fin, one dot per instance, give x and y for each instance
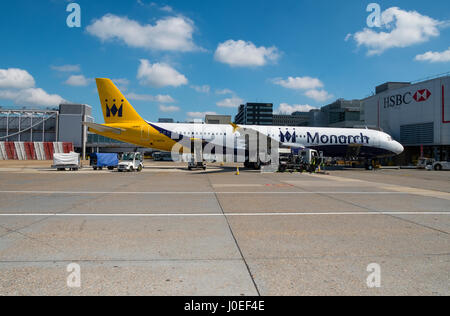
(116, 108)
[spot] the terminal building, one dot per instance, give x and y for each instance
(22, 125)
(255, 114)
(294, 119)
(417, 115)
(63, 124)
(340, 114)
(218, 119)
(166, 120)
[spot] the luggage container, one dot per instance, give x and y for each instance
(70, 161)
(100, 161)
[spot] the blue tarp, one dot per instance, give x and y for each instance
(106, 160)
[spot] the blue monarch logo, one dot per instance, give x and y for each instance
(114, 110)
(288, 137)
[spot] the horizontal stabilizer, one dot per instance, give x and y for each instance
(104, 129)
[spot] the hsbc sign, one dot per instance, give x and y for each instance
(421, 95)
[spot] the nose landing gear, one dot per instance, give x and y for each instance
(369, 165)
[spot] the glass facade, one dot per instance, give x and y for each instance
(28, 126)
(255, 114)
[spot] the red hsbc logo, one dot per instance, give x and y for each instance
(422, 95)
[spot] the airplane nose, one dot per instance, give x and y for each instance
(399, 148)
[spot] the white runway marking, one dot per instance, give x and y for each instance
(209, 193)
(219, 215)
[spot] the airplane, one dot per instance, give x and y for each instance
(123, 123)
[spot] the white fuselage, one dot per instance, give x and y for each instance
(333, 142)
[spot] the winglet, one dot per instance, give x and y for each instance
(235, 127)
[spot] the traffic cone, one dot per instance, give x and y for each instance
(237, 171)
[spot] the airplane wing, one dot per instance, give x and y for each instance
(103, 128)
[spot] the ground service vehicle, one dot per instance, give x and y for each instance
(196, 165)
(299, 160)
(70, 161)
(432, 164)
(441, 165)
(131, 162)
(100, 161)
(196, 159)
(423, 162)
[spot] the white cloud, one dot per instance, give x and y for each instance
(166, 8)
(318, 95)
(121, 81)
(168, 108)
(78, 81)
(202, 89)
(18, 86)
(435, 57)
(32, 96)
(164, 99)
(232, 102)
(400, 29)
(147, 97)
(245, 54)
(312, 87)
(289, 109)
(140, 97)
(67, 68)
(168, 34)
(159, 75)
(16, 79)
(299, 83)
(224, 91)
(199, 115)
(151, 4)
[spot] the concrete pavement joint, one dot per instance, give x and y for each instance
(372, 213)
(236, 242)
(224, 259)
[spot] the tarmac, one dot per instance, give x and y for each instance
(168, 231)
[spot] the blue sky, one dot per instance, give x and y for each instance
(183, 58)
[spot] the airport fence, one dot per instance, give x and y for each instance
(33, 151)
